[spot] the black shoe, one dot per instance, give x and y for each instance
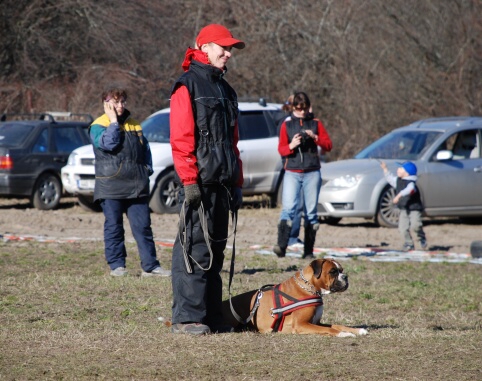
(284, 231)
(279, 251)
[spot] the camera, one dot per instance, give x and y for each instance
(304, 135)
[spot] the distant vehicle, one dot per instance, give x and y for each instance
(447, 153)
(33, 149)
(258, 146)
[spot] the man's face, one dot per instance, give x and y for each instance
(118, 104)
(218, 55)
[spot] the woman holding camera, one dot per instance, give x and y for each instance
(299, 139)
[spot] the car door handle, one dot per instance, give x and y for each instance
(60, 159)
(478, 169)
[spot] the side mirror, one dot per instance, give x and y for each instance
(444, 155)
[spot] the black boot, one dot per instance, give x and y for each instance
(310, 236)
(284, 230)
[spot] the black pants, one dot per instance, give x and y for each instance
(197, 296)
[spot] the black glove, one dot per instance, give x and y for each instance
(192, 194)
(237, 198)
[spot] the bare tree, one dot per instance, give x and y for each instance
(368, 65)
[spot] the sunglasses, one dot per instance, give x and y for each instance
(301, 109)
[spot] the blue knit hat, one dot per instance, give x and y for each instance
(410, 168)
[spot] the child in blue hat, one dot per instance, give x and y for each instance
(408, 201)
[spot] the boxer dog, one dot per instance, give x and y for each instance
(294, 306)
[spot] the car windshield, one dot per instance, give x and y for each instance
(156, 128)
(13, 134)
(400, 145)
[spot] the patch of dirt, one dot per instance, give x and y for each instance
(257, 225)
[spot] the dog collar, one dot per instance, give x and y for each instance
(307, 286)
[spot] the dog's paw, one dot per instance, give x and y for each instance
(346, 334)
(362, 332)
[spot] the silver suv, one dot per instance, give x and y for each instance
(258, 145)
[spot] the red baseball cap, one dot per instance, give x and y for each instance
(218, 34)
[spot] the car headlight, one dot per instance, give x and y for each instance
(72, 159)
(346, 181)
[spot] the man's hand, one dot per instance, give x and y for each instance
(192, 195)
(295, 142)
(109, 109)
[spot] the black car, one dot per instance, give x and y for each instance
(33, 149)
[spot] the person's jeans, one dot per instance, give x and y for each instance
(296, 223)
(293, 184)
(138, 214)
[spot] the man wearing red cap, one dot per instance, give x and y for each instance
(204, 137)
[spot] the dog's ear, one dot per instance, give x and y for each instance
(317, 266)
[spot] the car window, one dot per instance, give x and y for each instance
(66, 139)
(42, 142)
(14, 134)
(156, 128)
(401, 145)
(254, 125)
(465, 145)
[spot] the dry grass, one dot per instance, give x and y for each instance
(62, 317)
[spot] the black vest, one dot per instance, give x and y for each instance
(410, 202)
(305, 157)
(215, 109)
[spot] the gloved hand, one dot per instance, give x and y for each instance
(237, 198)
(192, 194)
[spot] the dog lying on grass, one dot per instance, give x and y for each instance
(294, 306)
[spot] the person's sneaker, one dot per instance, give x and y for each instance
(119, 271)
(158, 271)
(423, 244)
(190, 328)
(408, 247)
(296, 246)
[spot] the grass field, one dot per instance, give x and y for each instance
(62, 317)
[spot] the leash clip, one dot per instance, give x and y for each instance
(260, 295)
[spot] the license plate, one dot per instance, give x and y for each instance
(86, 184)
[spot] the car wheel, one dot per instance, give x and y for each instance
(476, 249)
(387, 211)
(165, 196)
(276, 198)
(47, 192)
(87, 203)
